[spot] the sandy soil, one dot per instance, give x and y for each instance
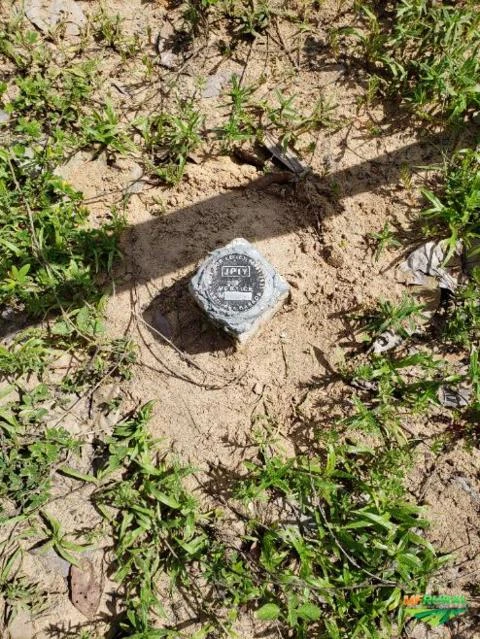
(209, 397)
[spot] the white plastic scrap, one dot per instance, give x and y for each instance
(386, 341)
(454, 397)
(466, 486)
(427, 260)
(364, 384)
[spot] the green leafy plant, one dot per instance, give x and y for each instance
(156, 523)
(251, 18)
(426, 52)
(107, 29)
(399, 384)
(462, 327)
(49, 257)
(456, 209)
(396, 384)
(248, 119)
(197, 12)
(338, 543)
(27, 352)
(55, 97)
(28, 461)
(170, 138)
(330, 549)
(32, 448)
(384, 239)
(290, 123)
(105, 129)
(57, 539)
(402, 318)
(22, 45)
(240, 125)
(16, 591)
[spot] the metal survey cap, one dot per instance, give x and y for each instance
(238, 288)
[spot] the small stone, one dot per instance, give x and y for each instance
(4, 117)
(215, 84)
(135, 187)
(52, 561)
(258, 388)
(136, 172)
(85, 588)
(194, 157)
(333, 257)
(136, 183)
(168, 59)
(238, 289)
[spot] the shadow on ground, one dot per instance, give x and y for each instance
(167, 244)
(217, 220)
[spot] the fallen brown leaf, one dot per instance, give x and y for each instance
(85, 589)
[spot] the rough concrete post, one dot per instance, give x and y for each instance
(238, 289)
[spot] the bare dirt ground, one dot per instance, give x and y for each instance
(210, 396)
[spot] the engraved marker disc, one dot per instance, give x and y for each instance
(235, 282)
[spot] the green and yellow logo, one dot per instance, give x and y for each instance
(435, 609)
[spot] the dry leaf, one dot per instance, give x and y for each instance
(85, 590)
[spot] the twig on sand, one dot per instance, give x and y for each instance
(182, 354)
(186, 358)
(281, 41)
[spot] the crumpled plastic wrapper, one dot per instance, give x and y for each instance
(454, 397)
(427, 260)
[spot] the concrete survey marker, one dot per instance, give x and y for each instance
(238, 289)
